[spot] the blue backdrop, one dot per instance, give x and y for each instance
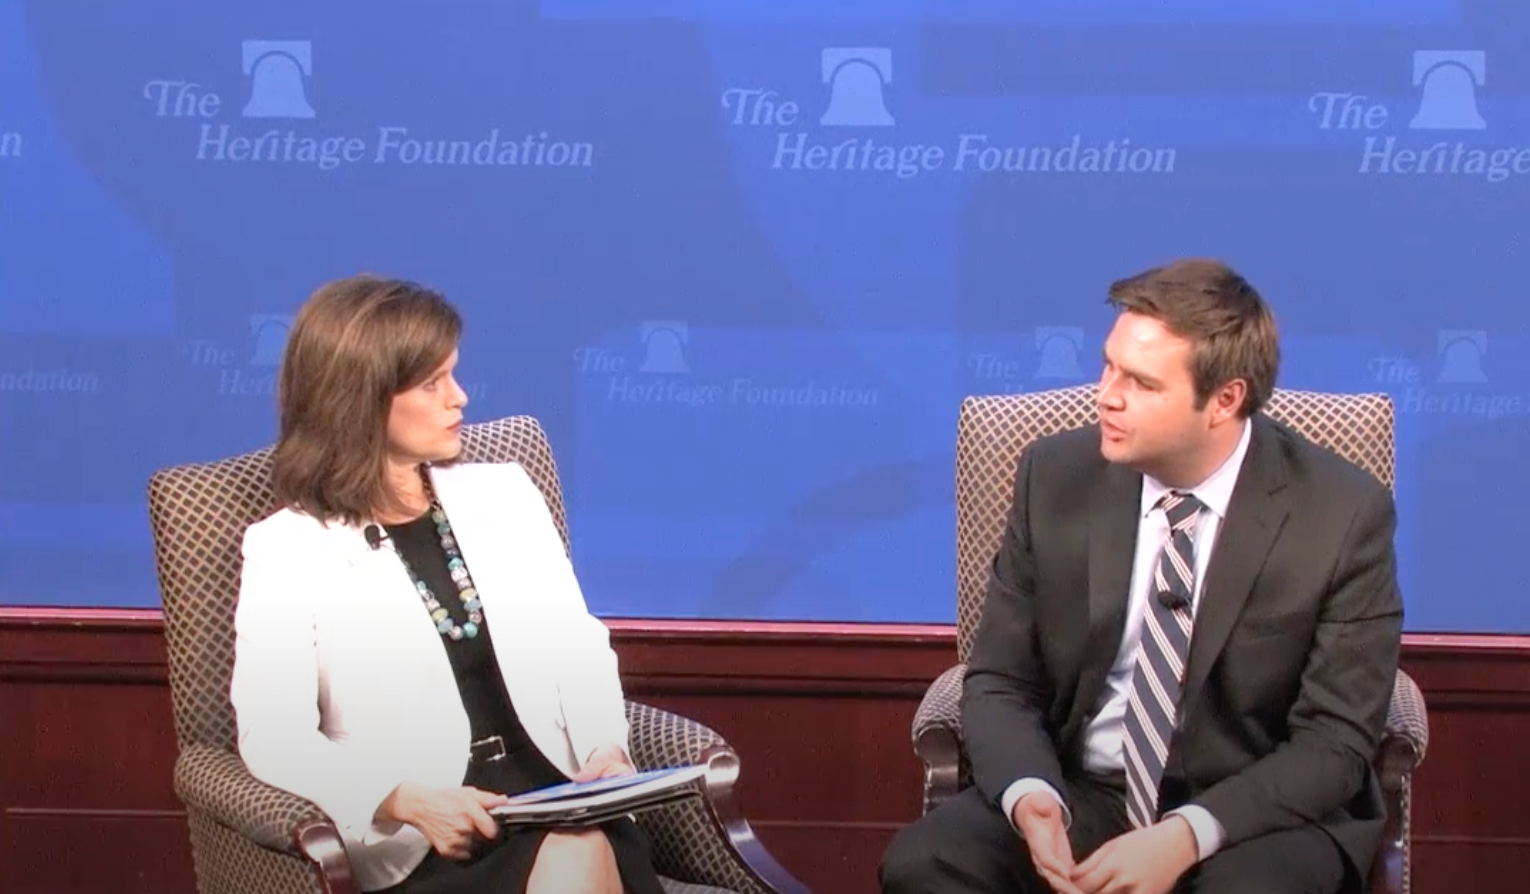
(744, 258)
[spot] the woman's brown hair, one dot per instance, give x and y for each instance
(355, 344)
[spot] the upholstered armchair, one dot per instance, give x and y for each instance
(247, 836)
(992, 431)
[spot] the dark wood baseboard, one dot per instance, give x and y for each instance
(819, 712)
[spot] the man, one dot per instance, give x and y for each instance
(1189, 640)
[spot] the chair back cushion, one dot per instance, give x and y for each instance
(198, 514)
(993, 431)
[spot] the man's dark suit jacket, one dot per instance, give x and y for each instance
(1292, 659)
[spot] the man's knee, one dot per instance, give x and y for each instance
(963, 845)
(1297, 861)
(908, 864)
(1243, 883)
(1227, 884)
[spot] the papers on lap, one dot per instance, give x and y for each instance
(588, 803)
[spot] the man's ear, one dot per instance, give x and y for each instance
(1227, 401)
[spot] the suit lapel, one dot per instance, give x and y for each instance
(1113, 519)
(1255, 515)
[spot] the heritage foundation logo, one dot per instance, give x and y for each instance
(279, 123)
(855, 131)
(49, 381)
(1454, 382)
(1048, 358)
(658, 371)
(248, 367)
(249, 370)
(1446, 104)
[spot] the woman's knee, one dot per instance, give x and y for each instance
(575, 863)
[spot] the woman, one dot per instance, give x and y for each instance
(411, 642)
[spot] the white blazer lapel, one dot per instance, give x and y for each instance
(486, 520)
(481, 523)
(382, 634)
(392, 605)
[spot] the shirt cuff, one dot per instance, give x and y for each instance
(380, 830)
(1022, 787)
(1209, 833)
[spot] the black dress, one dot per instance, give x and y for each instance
(502, 865)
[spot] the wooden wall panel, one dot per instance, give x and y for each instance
(96, 852)
(86, 750)
(820, 714)
(1471, 830)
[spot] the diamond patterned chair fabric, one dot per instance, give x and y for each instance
(993, 431)
(247, 836)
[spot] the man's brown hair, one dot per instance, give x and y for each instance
(355, 344)
(1230, 329)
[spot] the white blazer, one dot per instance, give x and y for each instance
(342, 687)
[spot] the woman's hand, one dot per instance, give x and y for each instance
(607, 760)
(453, 820)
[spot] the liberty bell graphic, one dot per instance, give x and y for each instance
(270, 334)
(664, 345)
(277, 69)
(1461, 357)
(1059, 347)
(1449, 79)
(856, 76)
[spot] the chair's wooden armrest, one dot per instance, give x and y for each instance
(937, 732)
(705, 841)
(1408, 718)
(941, 707)
(217, 784)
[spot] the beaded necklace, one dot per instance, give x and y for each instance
(467, 594)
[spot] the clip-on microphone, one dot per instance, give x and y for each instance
(1171, 599)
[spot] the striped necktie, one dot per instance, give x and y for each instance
(1151, 714)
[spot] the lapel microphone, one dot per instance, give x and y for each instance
(374, 536)
(1169, 598)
